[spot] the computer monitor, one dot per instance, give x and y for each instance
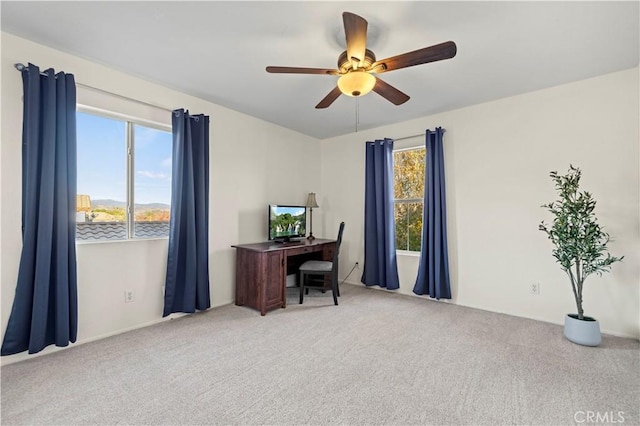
(286, 222)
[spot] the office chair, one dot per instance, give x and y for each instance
(323, 268)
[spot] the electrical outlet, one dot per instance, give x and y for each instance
(535, 288)
(128, 296)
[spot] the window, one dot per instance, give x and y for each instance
(124, 179)
(408, 189)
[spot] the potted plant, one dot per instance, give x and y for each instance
(580, 247)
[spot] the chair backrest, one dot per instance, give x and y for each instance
(334, 269)
(338, 241)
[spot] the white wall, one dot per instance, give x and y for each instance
(497, 157)
(243, 182)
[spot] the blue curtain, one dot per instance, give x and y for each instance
(433, 272)
(187, 281)
(45, 306)
(380, 263)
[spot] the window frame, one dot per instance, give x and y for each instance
(404, 251)
(130, 122)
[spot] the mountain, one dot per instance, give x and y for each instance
(153, 206)
(122, 204)
(108, 203)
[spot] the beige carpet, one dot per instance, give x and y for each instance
(378, 358)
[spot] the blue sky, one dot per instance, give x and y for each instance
(102, 160)
(294, 211)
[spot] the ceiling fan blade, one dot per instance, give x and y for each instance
(389, 92)
(355, 30)
(434, 53)
(298, 70)
(328, 100)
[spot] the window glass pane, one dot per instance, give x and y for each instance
(152, 182)
(408, 218)
(102, 188)
(414, 226)
(408, 171)
(401, 219)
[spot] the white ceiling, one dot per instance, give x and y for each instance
(218, 50)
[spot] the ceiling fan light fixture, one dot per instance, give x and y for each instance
(356, 83)
(357, 64)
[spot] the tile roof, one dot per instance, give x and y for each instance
(83, 203)
(151, 229)
(92, 231)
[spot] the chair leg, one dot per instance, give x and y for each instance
(338, 289)
(301, 286)
(334, 290)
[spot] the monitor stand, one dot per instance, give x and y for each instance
(286, 241)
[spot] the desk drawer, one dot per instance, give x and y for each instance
(302, 250)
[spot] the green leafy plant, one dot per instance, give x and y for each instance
(580, 244)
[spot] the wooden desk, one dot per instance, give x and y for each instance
(262, 268)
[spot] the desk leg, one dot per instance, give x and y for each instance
(241, 277)
(284, 282)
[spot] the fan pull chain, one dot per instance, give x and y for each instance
(357, 113)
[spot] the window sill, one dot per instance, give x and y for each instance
(408, 253)
(90, 242)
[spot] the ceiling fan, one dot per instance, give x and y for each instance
(357, 64)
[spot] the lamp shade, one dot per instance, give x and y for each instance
(311, 200)
(356, 83)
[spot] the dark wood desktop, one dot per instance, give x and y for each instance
(262, 269)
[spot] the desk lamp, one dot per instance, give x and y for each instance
(311, 204)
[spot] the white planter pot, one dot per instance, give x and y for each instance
(584, 332)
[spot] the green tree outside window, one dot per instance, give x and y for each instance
(408, 188)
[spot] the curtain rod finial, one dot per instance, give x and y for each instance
(19, 66)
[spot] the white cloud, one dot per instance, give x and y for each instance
(152, 175)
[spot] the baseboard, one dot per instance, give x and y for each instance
(22, 356)
(52, 349)
(559, 322)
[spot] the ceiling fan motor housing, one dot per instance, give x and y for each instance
(345, 65)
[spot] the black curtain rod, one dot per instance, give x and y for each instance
(415, 136)
(410, 137)
(21, 67)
